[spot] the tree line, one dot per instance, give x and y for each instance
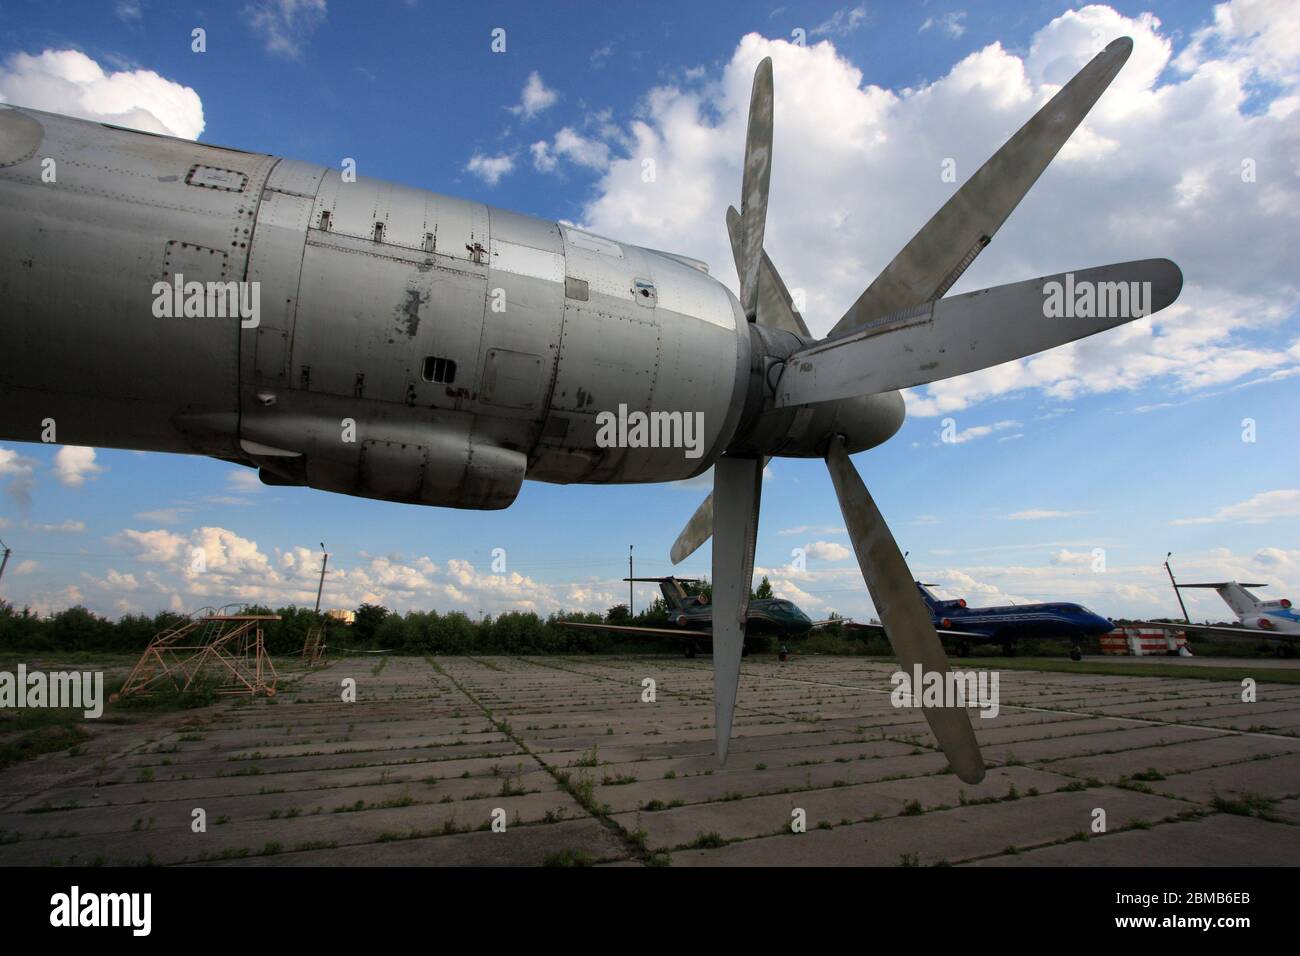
(375, 628)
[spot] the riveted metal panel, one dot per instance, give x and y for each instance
(523, 230)
(688, 291)
(523, 260)
(523, 320)
(392, 470)
(296, 178)
(274, 261)
(616, 351)
(20, 136)
(411, 218)
(94, 246)
(589, 242)
(194, 263)
(212, 177)
(512, 379)
(367, 322)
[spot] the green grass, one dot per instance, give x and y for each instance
(167, 696)
(66, 660)
(1151, 773)
(568, 858)
(1247, 805)
(42, 740)
(708, 841)
(1119, 668)
(32, 731)
(29, 732)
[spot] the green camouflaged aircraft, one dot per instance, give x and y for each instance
(691, 617)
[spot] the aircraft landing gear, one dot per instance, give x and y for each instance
(690, 650)
(963, 648)
(1008, 649)
(1076, 652)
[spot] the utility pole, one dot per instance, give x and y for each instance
(630, 575)
(325, 560)
(5, 559)
(1177, 593)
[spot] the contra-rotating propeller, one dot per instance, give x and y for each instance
(899, 333)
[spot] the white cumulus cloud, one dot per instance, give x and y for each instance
(1156, 170)
(827, 551)
(490, 168)
(1265, 506)
(535, 98)
(69, 82)
(75, 464)
(285, 26)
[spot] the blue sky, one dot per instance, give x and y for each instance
(1133, 446)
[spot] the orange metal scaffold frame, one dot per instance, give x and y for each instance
(313, 648)
(227, 647)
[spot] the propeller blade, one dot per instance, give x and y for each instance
(937, 255)
(978, 330)
(907, 622)
(698, 530)
(736, 233)
(775, 304)
(753, 189)
(737, 487)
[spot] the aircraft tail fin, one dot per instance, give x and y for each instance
(931, 601)
(1235, 595)
(675, 595)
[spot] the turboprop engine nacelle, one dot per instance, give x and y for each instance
(340, 332)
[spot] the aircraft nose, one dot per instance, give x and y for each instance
(1101, 625)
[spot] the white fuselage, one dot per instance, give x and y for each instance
(1270, 617)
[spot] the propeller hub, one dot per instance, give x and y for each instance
(864, 421)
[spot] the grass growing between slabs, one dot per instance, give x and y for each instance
(1275, 675)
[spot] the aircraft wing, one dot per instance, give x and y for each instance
(1214, 629)
(965, 635)
(625, 629)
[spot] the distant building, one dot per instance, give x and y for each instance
(341, 615)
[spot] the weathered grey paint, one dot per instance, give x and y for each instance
(907, 622)
(78, 259)
(737, 491)
(963, 333)
(934, 259)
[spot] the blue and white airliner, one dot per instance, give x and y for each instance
(1276, 620)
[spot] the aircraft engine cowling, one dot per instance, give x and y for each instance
(446, 468)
